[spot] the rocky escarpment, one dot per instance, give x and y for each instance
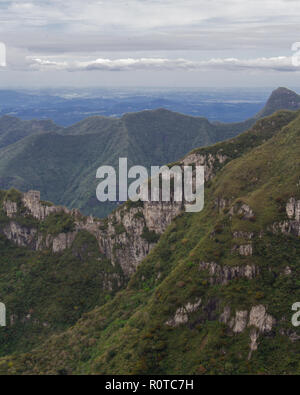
(223, 274)
(125, 237)
(291, 225)
(23, 236)
(211, 162)
(257, 319)
(181, 315)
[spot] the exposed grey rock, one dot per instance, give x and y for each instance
(126, 248)
(129, 248)
(22, 236)
(243, 235)
(10, 208)
(293, 209)
(260, 319)
(31, 201)
(223, 274)
(182, 314)
(290, 226)
(240, 321)
(254, 335)
(244, 250)
(287, 271)
(257, 320)
(221, 203)
(225, 316)
(63, 241)
(246, 211)
(243, 210)
(208, 160)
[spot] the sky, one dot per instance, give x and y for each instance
(151, 43)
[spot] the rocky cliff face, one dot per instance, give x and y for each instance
(23, 236)
(291, 225)
(211, 162)
(125, 237)
(223, 274)
(257, 319)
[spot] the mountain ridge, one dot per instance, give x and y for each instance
(146, 138)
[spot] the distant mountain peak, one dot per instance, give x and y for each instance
(280, 99)
(284, 93)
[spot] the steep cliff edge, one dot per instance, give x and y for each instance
(125, 237)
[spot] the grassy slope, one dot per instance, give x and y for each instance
(129, 335)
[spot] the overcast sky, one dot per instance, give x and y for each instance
(149, 43)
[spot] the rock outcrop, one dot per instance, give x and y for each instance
(23, 236)
(122, 237)
(182, 314)
(32, 202)
(211, 162)
(243, 250)
(223, 274)
(290, 226)
(257, 319)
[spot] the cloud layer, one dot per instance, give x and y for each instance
(281, 63)
(45, 26)
(214, 36)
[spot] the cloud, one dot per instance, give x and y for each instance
(279, 64)
(141, 14)
(66, 36)
(238, 28)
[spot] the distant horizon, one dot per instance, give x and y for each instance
(158, 87)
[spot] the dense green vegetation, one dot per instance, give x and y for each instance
(46, 293)
(129, 334)
(150, 236)
(57, 223)
(62, 163)
(13, 129)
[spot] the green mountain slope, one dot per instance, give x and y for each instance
(62, 163)
(215, 294)
(13, 129)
